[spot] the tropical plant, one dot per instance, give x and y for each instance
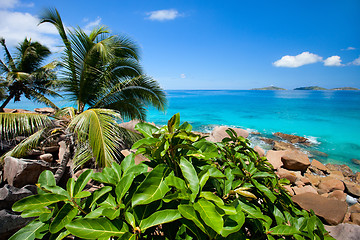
(196, 190)
(25, 74)
(102, 75)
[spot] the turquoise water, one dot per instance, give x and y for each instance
(331, 119)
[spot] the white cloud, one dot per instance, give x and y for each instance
(298, 60)
(348, 49)
(333, 61)
(89, 26)
(182, 75)
(356, 61)
(15, 26)
(163, 15)
(5, 4)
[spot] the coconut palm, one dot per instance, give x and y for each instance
(26, 75)
(101, 74)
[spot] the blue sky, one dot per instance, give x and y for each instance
(216, 44)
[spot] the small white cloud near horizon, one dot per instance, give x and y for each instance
(356, 61)
(333, 61)
(348, 49)
(90, 25)
(163, 15)
(183, 75)
(5, 4)
(299, 60)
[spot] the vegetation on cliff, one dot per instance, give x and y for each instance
(269, 88)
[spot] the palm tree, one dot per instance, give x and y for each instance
(26, 75)
(102, 75)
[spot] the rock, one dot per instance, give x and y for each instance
(274, 158)
(299, 183)
(352, 188)
(305, 180)
(318, 153)
(21, 172)
(316, 164)
(62, 150)
(337, 175)
(355, 218)
(9, 195)
(289, 175)
(292, 138)
(45, 110)
(344, 231)
(347, 172)
(47, 157)
(267, 140)
(354, 208)
(219, 133)
(356, 161)
(357, 177)
(138, 158)
(338, 194)
(255, 133)
(259, 150)
(332, 210)
(130, 125)
(51, 149)
(34, 153)
(329, 184)
(305, 189)
(283, 146)
(10, 223)
(295, 160)
(314, 180)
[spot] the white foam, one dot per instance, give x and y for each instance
(313, 140)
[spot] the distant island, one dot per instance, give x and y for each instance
(345, 88)
(269, 88)
(310, 88)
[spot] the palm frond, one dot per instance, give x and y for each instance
(98, 128)
(8, 57)
(82, 155)
(15, 124)
(38, 97)
(29, 143)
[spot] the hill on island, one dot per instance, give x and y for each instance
(269, 88)
(310, 88)
(345, 88)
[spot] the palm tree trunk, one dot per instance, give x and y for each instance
(69, 152)
(6, 102)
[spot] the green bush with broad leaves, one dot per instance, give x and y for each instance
(196, 190)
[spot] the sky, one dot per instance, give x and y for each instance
(196, 44)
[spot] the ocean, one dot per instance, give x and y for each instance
(329, 119)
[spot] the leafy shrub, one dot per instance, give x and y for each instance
(196, 190)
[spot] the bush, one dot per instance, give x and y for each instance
(196, 190)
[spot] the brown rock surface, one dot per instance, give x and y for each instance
(259, 150)
(304, 189)
(274, 158)
(283, 146)
(347, 172)
(352, 188)
(292, 138)
(344, 231)
(315, 163)
(314, 180)
(337, 175)
(219, 133)
(295, 160)
(45, 110)
(354, 208)
(329, 184)
(338, 194)
(355, 218)
(267, 140)
(332, 210)
(47, 157)
(289, 175)
(289, 189)
(357, 177)
(21, 172)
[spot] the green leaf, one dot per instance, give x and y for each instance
(176, 182)
(160, 217)
(37, 201)
(111, 213)
(123, 186)
(207, 149)
(82, 194)
(129, 218)
(47, 178)
(60, 235)
(265, 190)
(211, 197)
(145, 142)
(191, 177)
(127, 163)
(64, 216)
(70, 186)
(152, 188)
(35, 212)
(101, 177)
(81, 182)
(188, 212)
(174, 123)
(233, 224)
(55, 189)
(146, 129)
(284, 230)
(263, 175)
(204, 176)
(28, 232)
(209, 214)
(99, 193)
(214, 172)
(187, 136)
(89, 228)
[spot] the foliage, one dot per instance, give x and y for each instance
(26, 75)
(196, 190)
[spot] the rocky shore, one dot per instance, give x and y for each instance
(331, 191)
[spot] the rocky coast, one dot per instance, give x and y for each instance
(331, 191)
